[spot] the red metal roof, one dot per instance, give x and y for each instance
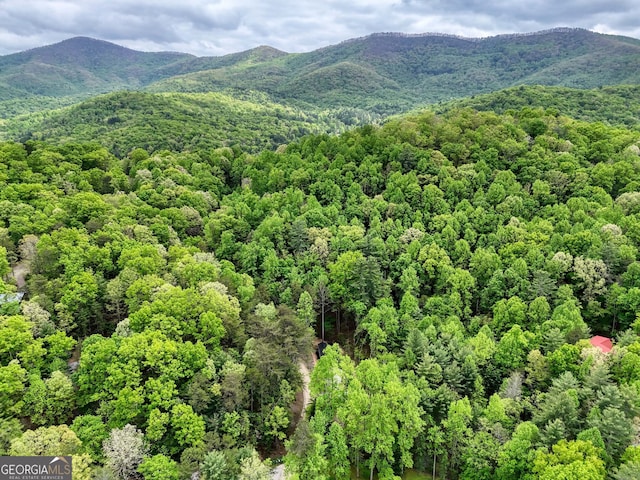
(603, 343)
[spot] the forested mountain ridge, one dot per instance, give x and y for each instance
(183, 121)
(469, 257)
(381, 73)
(122, 121)
(614, 105)
(80, 65)
(388, 73)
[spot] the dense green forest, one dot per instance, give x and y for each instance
(383, 73)
(123, 121)
(617, 105)
(461, 262)
(252, 121)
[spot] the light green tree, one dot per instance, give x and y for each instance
(277, 422)
(338, 452)
(159, 467)
(92, 432)
(214, 466)
(456, 429)
(305, 309)
(252, 468)
(382, 416)
(12, 386)
(515, 458)
(307, 453)
(53, 441)
(570, 460)
(51, 401)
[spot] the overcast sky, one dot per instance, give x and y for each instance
(217, 27)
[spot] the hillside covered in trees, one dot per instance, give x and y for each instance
(383, 73)
(617, 105)
(462, 262)
(250, 121)
(123, 121)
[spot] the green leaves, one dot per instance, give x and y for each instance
(159, 467)
(189, 314)
(277, 422)
(468, 255)
(51, 401)
(12, 387)
(126, 374)
(572, 460)
(381, 414)
(178, 121)
(15, 336)
(92, 432)
(188, 427)
(516, 457)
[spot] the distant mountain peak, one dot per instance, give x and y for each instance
(83, 39)
(269, 49)
(82, 46)
(470, 39)
(83, 42)
(96, 42)
(266, 52)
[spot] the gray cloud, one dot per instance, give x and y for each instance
(217, 27)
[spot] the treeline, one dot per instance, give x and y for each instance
(463, 260)
(614, 105)
(178, 122)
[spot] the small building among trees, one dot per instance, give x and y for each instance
(320, 350)
(603, 343)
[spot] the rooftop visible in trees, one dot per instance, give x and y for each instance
(603, 343)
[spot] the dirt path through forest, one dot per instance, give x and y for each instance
(306, 378)
(278, 473)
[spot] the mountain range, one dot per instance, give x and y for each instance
(125, 98)
(384, 73)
